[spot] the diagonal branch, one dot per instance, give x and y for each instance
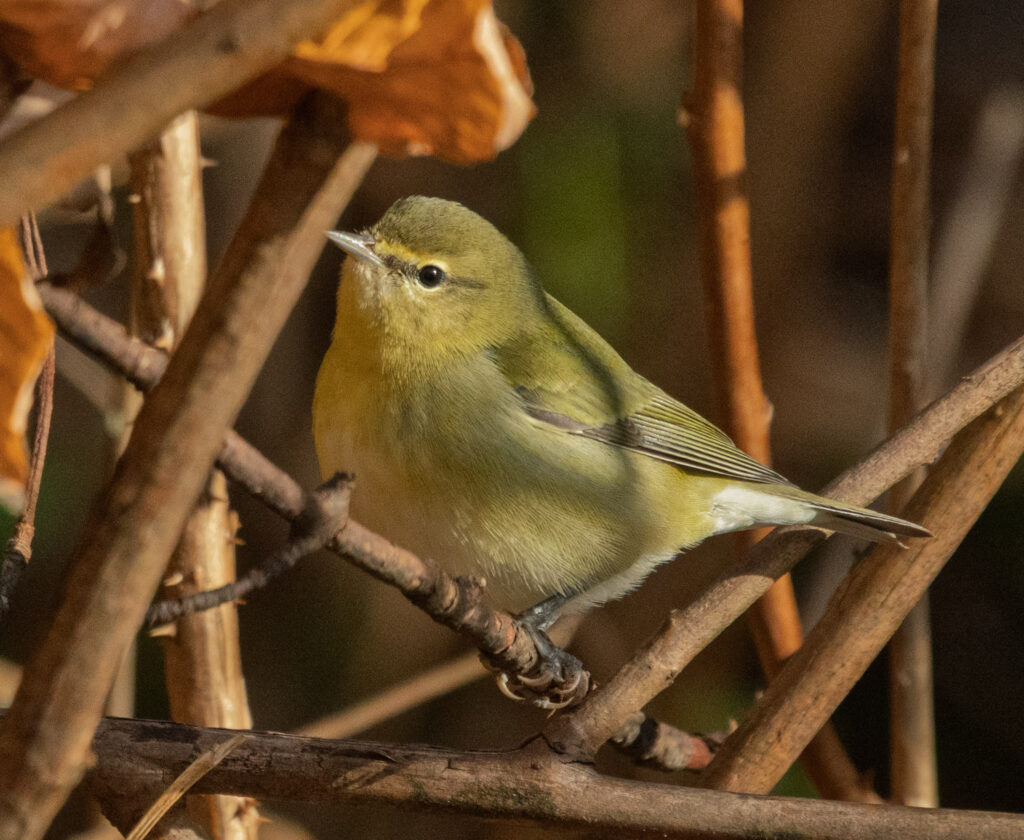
(689, 630)
(44, 739)
(870, 604)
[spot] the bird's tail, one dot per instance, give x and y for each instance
(856, 521)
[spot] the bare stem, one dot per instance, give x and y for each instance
(914, 780)
(715, 127)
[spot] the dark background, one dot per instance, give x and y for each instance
(599, 194)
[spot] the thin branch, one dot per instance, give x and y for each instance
(912, 715)
(871, 603)
(457, 603)
(226, 46)
(689, 630)
(651, 743)
(527, 784)
(44, 740)
(715, 126)
(325, 515)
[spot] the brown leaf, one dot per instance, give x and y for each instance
(70, 42)
(25, 336)
(437, 77)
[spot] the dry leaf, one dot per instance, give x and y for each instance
(437, 77)
(69, 43)
(25, 336)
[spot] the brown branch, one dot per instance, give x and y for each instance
(871, 603)
(526, 784)
(44, 740)
(715, 126)
(651, 743)
(688, 631)
(202, 656)
(313, 529)
(457, 603)
(912, 715)
(226, 46)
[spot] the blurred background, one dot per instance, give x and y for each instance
(599, 194)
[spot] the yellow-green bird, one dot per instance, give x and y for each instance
(493, 431)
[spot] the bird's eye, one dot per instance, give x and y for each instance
(431, 276)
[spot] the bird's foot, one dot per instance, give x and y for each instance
(559, 680)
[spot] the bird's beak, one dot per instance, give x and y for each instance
(359, 245)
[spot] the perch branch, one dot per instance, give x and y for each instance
(527, 784)
(871, 603)
(689, 630)
(44, 739)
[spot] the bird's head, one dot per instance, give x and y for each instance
(434, 279)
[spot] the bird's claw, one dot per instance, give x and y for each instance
(547, 689)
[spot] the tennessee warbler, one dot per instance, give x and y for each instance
(492, 430)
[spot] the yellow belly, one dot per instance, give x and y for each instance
(533, 510)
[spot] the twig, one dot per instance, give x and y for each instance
(527, 784)
(457, 603)
(202, 765)
(871, 603)
(715, 126)
(18, 550)
(226, 46)
(325, 515)
(688, 631)
(912, 715)
(660, 746)
(202, 657)
(44, 739)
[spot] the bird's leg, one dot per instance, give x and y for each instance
(541, 616)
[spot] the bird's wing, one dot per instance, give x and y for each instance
(584, 388)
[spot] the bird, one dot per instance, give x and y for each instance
(493, 431)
